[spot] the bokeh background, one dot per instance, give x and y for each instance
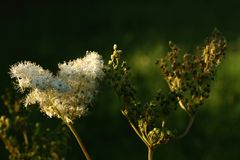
(48, 32)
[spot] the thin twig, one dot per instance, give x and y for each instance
(137, 132)
(9, 146)
(70, 126)
(190, 123)
(25, 137)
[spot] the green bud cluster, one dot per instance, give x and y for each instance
(148, 120)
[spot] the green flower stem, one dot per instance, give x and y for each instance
(144, 139)
(139, 135)
(13, 150)
(25, 138)
(136, 131)
(190, 123)
(70, 126)
(150, 153)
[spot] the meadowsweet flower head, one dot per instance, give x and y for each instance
(65, 95)
(29, 75)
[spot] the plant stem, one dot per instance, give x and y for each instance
(70, 126)
(190, 123)
(150, 153)
(139, 135)
(13, 150)
(137, 131)
(25, 137)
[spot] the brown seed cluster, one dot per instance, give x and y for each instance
(189, 76)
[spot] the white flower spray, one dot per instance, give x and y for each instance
(65, 95)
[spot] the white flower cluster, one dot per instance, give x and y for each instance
(65, 95)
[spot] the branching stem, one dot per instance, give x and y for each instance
(137, 132)
(143, 136)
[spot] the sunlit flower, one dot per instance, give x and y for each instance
(30, 75)
(65, 95)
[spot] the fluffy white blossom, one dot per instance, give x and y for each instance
(30, 75)
(65, 95)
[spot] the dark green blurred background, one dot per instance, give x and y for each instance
(48, 32)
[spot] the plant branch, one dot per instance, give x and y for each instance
(139, 135)
(70, 126)
(25, 137)
(9, 146)
(190, 123)
(150, 153)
